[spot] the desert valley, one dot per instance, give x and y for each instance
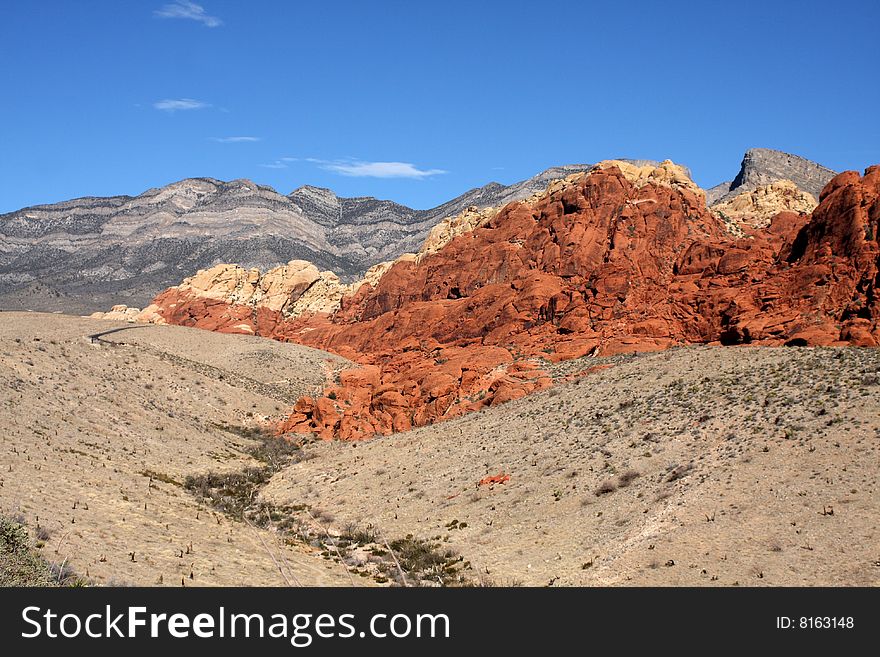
(601, 375)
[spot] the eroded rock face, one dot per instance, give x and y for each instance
(758, 207)
(120, 313)
(474, 217)
(638, 172)
(615, 261)
(291, 290)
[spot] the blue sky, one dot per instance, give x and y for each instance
(419, 101)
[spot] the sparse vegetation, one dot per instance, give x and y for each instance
(21, 564)
(158, 476)
(88, 415)
(426, 562)
(627, 477)
(236, 493)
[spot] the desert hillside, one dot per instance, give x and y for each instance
(728, 466)
(99, 437)
(135, 457)
(620, 259)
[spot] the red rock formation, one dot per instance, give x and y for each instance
(491, 480)
(603, 266)
(820, 288)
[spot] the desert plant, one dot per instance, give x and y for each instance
(627, 477)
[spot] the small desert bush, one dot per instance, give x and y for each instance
(425, 562)
(359, 535)
(627, 477)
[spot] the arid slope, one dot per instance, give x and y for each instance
(693, 466)
(98, 438)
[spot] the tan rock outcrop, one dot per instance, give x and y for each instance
(667, 174)
(758, 207)
(290, 290)
(276, 289)
(448, 229)
(119, 313)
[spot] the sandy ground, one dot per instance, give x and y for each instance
(712, 466)
(696, 466)
(98, 438)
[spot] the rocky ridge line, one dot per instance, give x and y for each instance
(300, 288)
(612, 263)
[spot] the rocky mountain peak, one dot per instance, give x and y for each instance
(185, 186)
(311, 191)
(319, 203)
(763, 166)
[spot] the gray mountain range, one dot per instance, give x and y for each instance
(90, 253)
(82, 255)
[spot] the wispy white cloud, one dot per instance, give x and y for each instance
(188, 10)
(177, 104)
(361, 169)
(234, 140)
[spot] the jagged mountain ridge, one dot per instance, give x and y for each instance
(762, 166)
(85, 254)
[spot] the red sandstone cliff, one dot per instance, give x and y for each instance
(612, 262)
